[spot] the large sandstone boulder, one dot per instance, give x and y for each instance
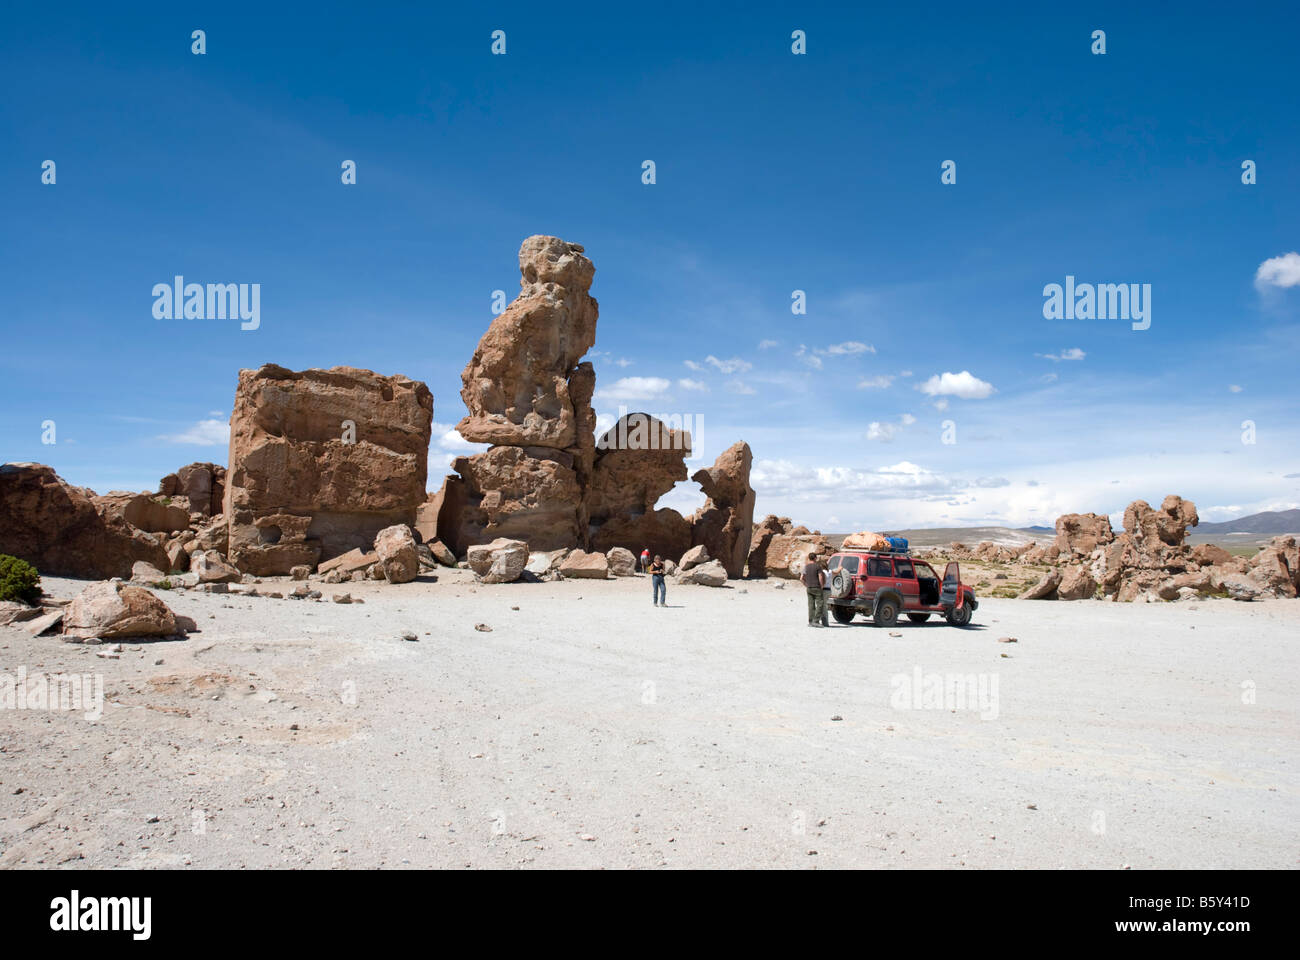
(144, 511)
(622, 562)
(638, 460)
(1082, 532)
(1045, 588)
(501, 561)
(1273, 570)
(398, 557)
(198, 487)
(517, 385)
(350, 562)
(57, 528)
(579, 564)
(694, 557)
(787, 553)
(211, 567)
(1076, 584)
(710, 574)
(664, 532)
(770, 526)
(524, 493)
(320, 462)
(111, 610)
(1150, 528)
(725, 524)
(1209, 554)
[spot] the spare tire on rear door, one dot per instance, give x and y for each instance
(841, 584)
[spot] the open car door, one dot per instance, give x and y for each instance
(952, 594)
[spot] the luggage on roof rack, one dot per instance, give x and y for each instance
(897, 544)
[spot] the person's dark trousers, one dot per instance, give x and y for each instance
(660, 588)
(816, 607)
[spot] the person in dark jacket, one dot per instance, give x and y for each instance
(657, 581)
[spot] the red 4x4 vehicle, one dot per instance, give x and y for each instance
(883, 585)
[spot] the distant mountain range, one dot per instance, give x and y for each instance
(1270, 524)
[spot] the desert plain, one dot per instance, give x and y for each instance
(587, 728)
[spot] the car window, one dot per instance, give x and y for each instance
(925, 570)
(877, 567)
(835, 563)
(850, 564)
(903, 568)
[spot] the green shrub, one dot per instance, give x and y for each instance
(18, 580)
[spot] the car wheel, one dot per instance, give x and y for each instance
(842, 614)
(959, 616)
(918, 617)
(886, 614)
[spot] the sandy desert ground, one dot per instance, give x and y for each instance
(589, 729)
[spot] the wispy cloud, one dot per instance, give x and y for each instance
(629, 389)
(1073, 353)
(734, 365)
(849, 348)
(768, 344)
(694, 385)
(875, 383)
(205, 433)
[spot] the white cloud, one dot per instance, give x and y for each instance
(205, 433)
(885, 432)
(1283, 271)
(964, 385)
(1073, 353)
(216, 414)
(623, 362)
(875, 383)
(849, 347)
(767, 344)
(734, 365)
(692, 365)
(906, 373)
(687, 384)
(738, 386)
(629, 389)
(941, 404)
(1235, 388)
(811, 359)
(1050, 377)
(781, 478)
(447, 438)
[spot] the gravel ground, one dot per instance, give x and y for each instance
(590, 729)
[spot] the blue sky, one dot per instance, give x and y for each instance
(775, 173)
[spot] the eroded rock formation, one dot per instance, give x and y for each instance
(320, 462)
(57, 528)
(724, 525)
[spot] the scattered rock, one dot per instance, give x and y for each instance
(580, 564)
(710, 574)
(694, 557)
(108, 610)
(501, 561)
(398, 558)
(621, 562)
